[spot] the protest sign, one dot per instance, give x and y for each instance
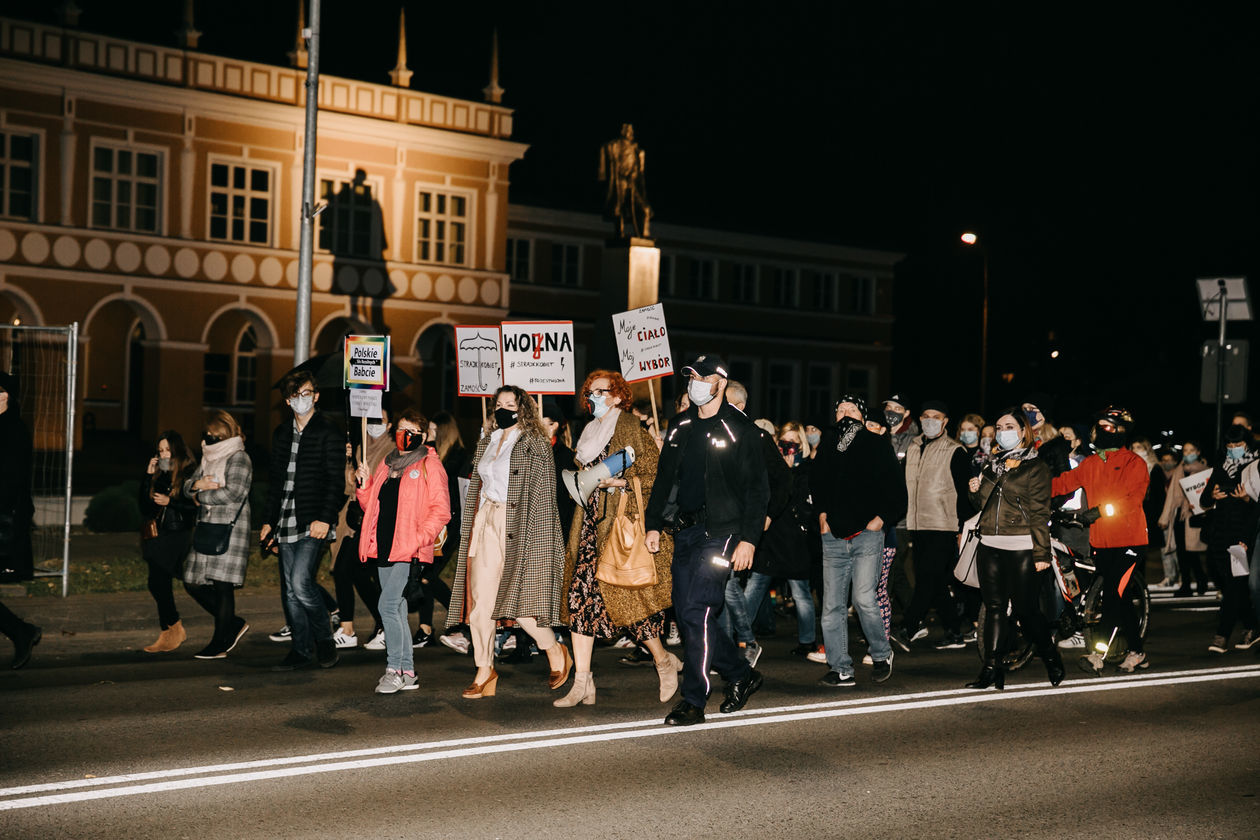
(1193, 486)
(478, 361)
(365, 403)
(538, 356)
(643, 343)
(367, 362)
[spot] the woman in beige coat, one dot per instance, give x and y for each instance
(1178, 514)
(595, 608)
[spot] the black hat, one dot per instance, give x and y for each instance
(707, 365)
(856, 400)
(1043, 401)
(898, 398)
(552, 409)
(936, 405)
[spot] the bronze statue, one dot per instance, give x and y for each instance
(621, 164)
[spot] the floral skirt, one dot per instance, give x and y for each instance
(587, 613)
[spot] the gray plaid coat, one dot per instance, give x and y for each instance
(219, 506)
(533, 565)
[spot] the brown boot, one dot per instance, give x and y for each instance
(170, 638)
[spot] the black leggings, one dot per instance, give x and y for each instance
(218, 599)
(1117, 608)
(349, 574)
(934, 554)
(1010, 576)
(1235, 595)
(1189, 562)
(164, 555)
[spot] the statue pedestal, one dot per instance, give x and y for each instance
(630, 279)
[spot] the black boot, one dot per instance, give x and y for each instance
(989, 676)
(1054, 665)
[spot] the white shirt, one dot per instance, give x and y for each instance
(495, 463)
(1008, 542)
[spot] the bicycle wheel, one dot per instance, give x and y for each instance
(1098, 631)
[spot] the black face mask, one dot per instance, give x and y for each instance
(210, 440)
(407, 440)
(788, 448)
(1108, 440)
(505, 417)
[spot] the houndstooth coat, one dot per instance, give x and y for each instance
(220, 506)
(533, 564)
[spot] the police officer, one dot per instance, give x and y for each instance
(711, 493)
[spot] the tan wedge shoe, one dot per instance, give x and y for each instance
(169, 639)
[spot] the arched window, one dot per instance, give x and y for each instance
(246, 367)
(436, 349)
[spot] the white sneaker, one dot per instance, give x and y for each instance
(1134, 660)
(1076, 640)
(819, 655)
(457, 642)
(752, 652)
(921, 633)
(395, 681)
(342, 639)
(866, 660)
(284, 634)
(377, 642)
(673, 639)
(623, 642)
(509, 643)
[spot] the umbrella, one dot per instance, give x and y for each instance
(479, 344)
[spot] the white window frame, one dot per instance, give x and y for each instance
(37, 182)
(872, 284)
(670, 284)
(377, 185)
(737, 280)
(469, 221)
(577, 279)
(695, 263)
(234, 375)
(826, 278)
(510, 256)
(794, 275)
(163, 183)
(793, 390)
(272, 198)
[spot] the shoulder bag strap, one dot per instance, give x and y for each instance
(638, 499)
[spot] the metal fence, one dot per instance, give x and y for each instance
(45, 362)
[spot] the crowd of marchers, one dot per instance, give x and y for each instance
(701, 535)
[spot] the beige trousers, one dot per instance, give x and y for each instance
(485, 571)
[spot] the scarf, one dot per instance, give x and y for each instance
(398, 461)
(595, 437)
(1003, 461)
(214, 457)
(849, 429)
(1233, 468)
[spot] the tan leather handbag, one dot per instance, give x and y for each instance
(625, 560)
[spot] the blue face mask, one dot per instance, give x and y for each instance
(969, 436)
(599, 406)
(1031, 416)
(1008, 439)
(1191, 457)
(1235, 453)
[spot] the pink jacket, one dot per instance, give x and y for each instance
(424, 507)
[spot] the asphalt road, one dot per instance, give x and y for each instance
(100, 740)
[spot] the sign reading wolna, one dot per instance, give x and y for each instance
(367, 362)
(538, 356)
(643, 343)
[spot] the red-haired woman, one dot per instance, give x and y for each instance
(602, 609)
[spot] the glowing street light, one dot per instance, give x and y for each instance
(968, 238)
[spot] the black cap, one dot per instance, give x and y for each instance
(936, 405)
(552, 409)
(856, 400)
(898, 398)
(707, 365)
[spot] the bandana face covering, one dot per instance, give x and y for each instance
(407, 440)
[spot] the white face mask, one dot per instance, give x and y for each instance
(813, 438)
(931, 427)
(301, 405)
(700, 392)
(599, 406)
(1008, 439)
(376, 429)
(986, 443)
(968, 436)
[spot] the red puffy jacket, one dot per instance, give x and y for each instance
(1120, 481)
(424, 507)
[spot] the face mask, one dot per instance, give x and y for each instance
(599, 406)
(969, 436)
(407, 440)
(931, 427)
(986, 443)
(894, 419)
(1142, 453)
(302, 405)
(376, 429)
(1191, 457)
(504, 418)
(1031, 417)
(700, 392)
(1235, 453)
(1107, 440)
(210, 440)
(164, 464)
(813, 438)
(1167, 465)
(1008, 439)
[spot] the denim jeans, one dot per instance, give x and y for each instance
(759, 585)
(699, 597)
(304, 602)
(857, 562)
(393, 608)
(737, 618)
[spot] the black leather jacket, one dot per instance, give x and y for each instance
(736, 489)
(1021, 506)
(179, 515)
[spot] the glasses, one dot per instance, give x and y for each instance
(306, 393)
(597, 392)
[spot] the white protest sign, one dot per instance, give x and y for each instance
(643, 343)
(365, 403)
(538, 356)
(367, 362)
(478, 362)
(1193, 486)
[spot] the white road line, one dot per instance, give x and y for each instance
(584, 735)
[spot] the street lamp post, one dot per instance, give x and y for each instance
(306, 245)
(970, 239)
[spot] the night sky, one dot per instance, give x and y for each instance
(1108, 156)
